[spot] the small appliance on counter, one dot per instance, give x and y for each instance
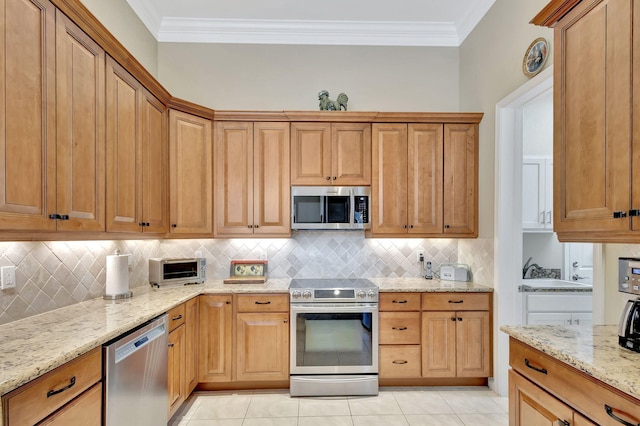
(247, 272)
(165, 272)
(629, 282)
(455, 272)
(117, 281)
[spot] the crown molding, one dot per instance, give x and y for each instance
(473, 17)
(257, 31)
(148, 14)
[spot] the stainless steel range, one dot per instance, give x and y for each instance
(334, 337)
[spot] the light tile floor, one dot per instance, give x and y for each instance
(475, 406)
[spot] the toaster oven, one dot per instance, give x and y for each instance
(163, 272)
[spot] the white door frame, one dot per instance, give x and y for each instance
(508, 218)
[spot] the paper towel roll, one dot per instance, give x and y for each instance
(117, 275)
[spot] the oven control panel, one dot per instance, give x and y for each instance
(334, 295)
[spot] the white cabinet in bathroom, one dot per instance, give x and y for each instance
(560, 318)
(537, 194)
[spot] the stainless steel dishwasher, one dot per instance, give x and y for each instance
(135, 368)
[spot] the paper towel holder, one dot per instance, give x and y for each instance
(124, 295)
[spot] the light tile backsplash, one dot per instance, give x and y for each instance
(55, 274)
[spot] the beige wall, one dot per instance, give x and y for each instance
(490, 69)
(118, 17)
(284, 77)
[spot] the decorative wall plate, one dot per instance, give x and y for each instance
(535, 57)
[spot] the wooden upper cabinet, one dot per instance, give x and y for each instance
(331, 154)
(594, 103)
(153, 205)
(460, 198)
(425, 178)
(80, 107)
(388, 189)
(252, 178)
(191, 174)
(27, 115)
(124, 168)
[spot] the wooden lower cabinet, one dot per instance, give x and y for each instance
(262, 342)
(456, 343)
(215, 344)
(176, 379)
(544, 390)
(69, 395)
(191, 338)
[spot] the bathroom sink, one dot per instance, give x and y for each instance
(553, 283)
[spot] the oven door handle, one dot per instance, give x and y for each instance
(331, 308)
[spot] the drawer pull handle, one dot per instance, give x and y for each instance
(399, 328)
(539, 370)
(400, 301)
(609, 411)
(72, 382)
(456, 301)
(179, 317)
(263, 303)
(400, 361)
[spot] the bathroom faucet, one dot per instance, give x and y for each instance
(527, 267)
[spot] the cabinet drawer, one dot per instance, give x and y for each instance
(262, 302)
(399, 328)
(399, 301)
(85, 410)
(176, 317)
(37, 399)
(580, 391)
(456, 301)
(400, 361)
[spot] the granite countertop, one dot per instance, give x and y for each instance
(593, 350)
(38, 344)
(553, 286)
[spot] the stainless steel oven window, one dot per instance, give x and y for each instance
(334, 339)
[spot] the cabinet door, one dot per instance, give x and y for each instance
(310, 154)
(461, 179)
(262, 341)
(389, 182)
(27, 115)
(190, 174)
(80, 85)
(124, 168)
(351, 154)
(533, 193)
(530, 405)
(176, 364)
(473, 344)
(271, 187)
(592, 126)
(155, 165)
(192, 327)
(216, 325)
(438, 344)
(234, 177)
(635, 150)
(85, 410)
(424, 188)
(549, 318)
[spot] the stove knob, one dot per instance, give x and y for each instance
(296, 294)
(306, 294)
(371, 294)
(361, 294)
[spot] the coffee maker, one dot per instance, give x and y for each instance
(629, 282)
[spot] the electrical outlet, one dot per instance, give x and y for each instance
(420, 256)
(7, 277)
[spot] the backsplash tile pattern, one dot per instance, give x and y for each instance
(51, 275)
(478, 254)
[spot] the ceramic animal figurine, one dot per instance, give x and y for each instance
(327, 104)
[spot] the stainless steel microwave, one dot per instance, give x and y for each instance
(164, 272)
(330, 207)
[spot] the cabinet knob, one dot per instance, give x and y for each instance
(634, 212)
(328, 177)
(447, 226)
(619, 215)
(334, 178)
(173, 225)
(141, 224)
(411, 226)
(404, 226)
(147, 224)
(256, 226)
(249, 226)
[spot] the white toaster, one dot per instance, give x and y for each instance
(454, 273)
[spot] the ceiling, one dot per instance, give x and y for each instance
(327, 22)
